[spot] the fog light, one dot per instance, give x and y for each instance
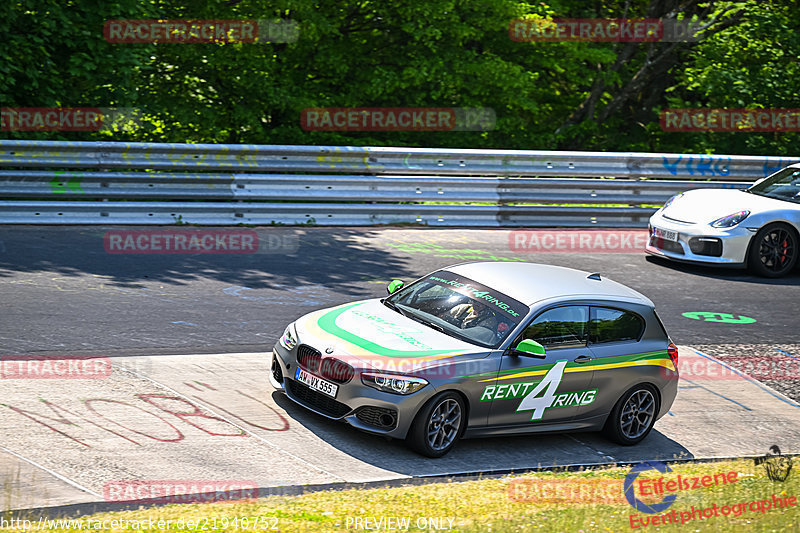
(709, 246)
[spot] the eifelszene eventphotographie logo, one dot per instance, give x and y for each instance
(630, 495)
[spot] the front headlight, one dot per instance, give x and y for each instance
(289, 338)
(668, 202)
(730, 220)
(392, 383)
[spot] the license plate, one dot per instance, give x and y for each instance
(667, 235)
(319, 384)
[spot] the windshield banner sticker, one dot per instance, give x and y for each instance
(503, 303)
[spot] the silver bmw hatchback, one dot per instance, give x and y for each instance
(485, 348)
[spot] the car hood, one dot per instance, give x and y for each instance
(369, 335)
(707, 205)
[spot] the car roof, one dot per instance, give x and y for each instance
(533, 282)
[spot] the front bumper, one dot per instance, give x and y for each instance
(356, 404)
(700, 243)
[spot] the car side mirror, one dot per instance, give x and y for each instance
(394, 286)
(530, 347)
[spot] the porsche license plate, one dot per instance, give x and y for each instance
(667, 235)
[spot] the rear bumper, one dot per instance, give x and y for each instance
(668, 393)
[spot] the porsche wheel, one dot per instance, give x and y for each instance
(773, 252)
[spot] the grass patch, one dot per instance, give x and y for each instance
(512, 503)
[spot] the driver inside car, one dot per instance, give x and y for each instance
(470, 315)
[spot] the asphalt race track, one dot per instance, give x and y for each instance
(188, 338)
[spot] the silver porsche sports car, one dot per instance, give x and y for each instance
(484, 348)
(757, 227)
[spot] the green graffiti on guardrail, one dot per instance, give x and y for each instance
(60, 185)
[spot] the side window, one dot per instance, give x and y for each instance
(614, 325)
(559, 327)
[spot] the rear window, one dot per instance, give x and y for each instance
(614, 325)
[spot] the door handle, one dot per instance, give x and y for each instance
(582, 359)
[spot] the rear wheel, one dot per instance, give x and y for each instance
(438, 425)
(773, 252)
(633, 416)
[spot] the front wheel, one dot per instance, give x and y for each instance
(438, 425)
(773, 252)
(633, 416)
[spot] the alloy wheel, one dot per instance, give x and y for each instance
(444, 424)
(776, 249)
(637, 414)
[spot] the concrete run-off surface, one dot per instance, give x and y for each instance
(214, 417)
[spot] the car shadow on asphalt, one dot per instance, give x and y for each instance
(509, 453)
(287, 256)
(726, 273)
(66, 287)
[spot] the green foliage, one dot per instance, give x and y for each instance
(406, 53)
(753, 65)
(54, 55)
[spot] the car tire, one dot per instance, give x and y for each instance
(438, 425)
(633, 415)
(774, 250)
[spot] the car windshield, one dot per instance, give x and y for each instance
(783, 185)
(460, 307)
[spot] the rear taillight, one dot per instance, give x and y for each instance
(672, 350)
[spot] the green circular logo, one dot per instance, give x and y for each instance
(719, 317)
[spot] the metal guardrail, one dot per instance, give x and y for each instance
(143, 183)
